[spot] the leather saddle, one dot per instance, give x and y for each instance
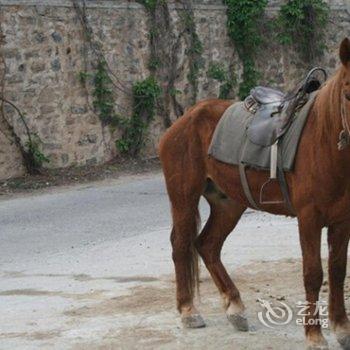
(266, 95)
(273, 114)
(267, 104)
(274, 110)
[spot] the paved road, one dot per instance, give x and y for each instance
(56, 222)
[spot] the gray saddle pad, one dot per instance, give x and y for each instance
(230, 143)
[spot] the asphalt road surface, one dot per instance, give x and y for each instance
(57, 221)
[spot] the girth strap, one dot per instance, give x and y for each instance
(245, 185)
(244, 181)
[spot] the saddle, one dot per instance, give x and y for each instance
(274, 110)
(266, 95)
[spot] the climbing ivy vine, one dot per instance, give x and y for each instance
(31, 149)
(302, 23)
(243, 22)
(145, 95)
(134, 128)
(33, 157)
(165, 45)
(163, 59)
(217, 72)
(299, 22)
(103, 95)
(150, 4)
(194, 48)
(151, 7)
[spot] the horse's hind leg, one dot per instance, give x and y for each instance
(224, 215)
(185, 175)
(185, 257)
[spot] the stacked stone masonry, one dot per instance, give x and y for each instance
(44, 53)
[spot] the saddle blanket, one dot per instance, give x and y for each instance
(231, 145)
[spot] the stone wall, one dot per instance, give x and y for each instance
(44, 53)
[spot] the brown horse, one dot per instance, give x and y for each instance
(319, 190)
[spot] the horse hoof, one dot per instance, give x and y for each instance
(322, 345)
(317, 347)
(316, 341)
(193, 321)
(344, 342)
(239, 321)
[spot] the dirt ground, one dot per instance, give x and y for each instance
(78, 175)
(146, 319)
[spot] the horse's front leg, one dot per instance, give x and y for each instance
(338, 239)
(310, 228)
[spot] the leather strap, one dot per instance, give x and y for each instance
(273, 162)
(244, 182)
(245, 185)
(344, 136)
(283, 182)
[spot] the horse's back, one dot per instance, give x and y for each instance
(195, 125)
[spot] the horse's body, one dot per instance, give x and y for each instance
(319, 190)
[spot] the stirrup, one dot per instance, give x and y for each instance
(262, 189)
(273, 176)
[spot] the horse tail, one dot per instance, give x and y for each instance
(195, 266)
